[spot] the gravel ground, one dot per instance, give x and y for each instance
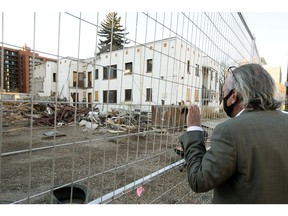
(99, 161)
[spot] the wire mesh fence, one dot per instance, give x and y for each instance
(83, 122)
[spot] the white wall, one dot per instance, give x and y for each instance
(43, 77)
(169, 79)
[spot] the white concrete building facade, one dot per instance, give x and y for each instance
(137, 77)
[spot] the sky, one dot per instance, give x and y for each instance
(271, 36)
(266, 22)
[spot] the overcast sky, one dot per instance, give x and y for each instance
(271, 33)
(266, 22)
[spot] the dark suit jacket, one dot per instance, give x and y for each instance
(247, 161)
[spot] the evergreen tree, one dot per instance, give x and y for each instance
(111, 25)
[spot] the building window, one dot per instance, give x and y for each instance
(216, 79)
(74, 79)
(197, 70)
(54, 77)
(81, 80)
(188, 94)
(84, 96)
(96, 74)
(149, 65)
(110, 72)
(188, 67)
(89, 79)
(128, 94)
(148, 94)
(128, 68)
(196, 96)
(110, 96)
(96, 96)
(211, 75)
(80, 77)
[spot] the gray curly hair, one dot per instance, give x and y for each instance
(255, 87)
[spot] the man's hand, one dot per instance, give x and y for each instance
(193, 117)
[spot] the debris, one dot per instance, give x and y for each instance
(115, 131)
(159, 130)
(52, 134)
(49, 113)
(60, 124)
(88, 125)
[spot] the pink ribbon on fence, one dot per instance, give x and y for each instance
(139, 191)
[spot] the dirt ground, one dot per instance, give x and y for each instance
(32, 164)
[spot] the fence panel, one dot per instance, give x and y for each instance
(83, 126)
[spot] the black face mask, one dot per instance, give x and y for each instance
(228, 109)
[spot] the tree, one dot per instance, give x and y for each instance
(111, 27)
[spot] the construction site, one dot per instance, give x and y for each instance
(71, 151)
(98, 122)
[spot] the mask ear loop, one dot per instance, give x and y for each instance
(229, 94)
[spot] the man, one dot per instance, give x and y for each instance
(248, 158)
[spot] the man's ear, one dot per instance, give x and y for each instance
(234, 97)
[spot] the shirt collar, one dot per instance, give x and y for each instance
(240, 112)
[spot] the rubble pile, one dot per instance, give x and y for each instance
(14, 113)
(40, 113)
(64, 114)
(46, 114)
